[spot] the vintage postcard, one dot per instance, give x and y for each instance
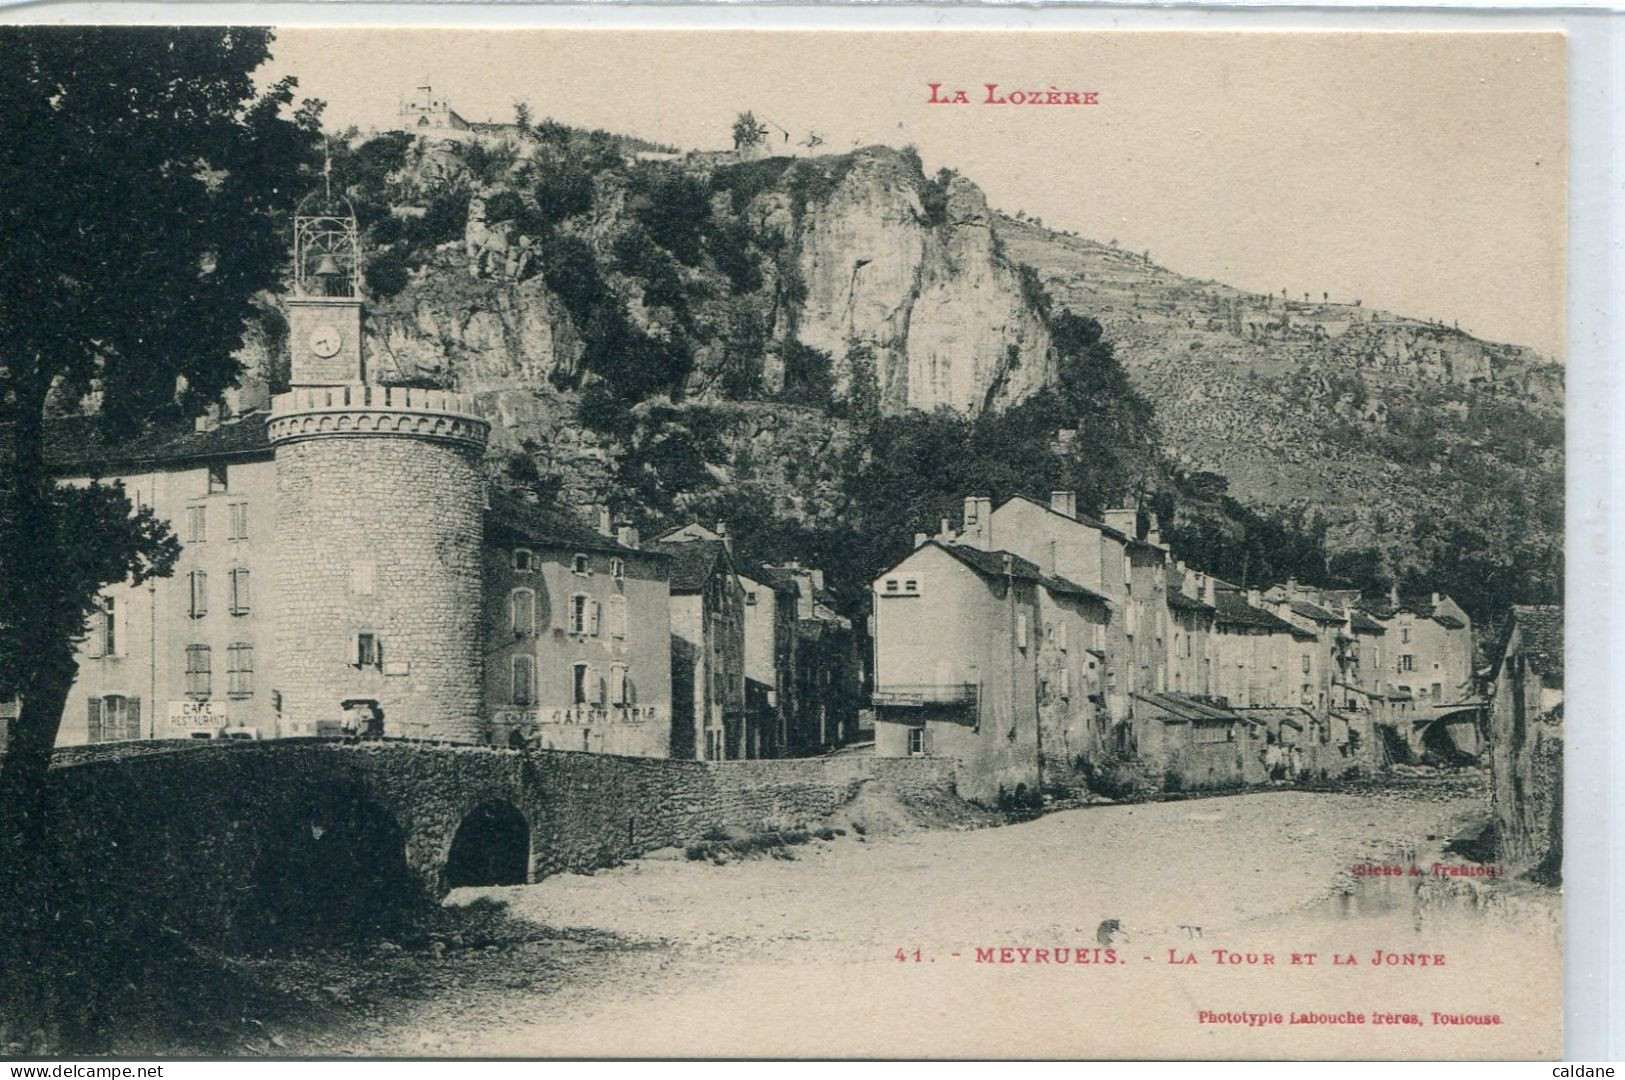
(713, 543)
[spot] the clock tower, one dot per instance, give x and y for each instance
(324, 312)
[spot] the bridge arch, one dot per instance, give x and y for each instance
(491, 846)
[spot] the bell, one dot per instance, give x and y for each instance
(326, 267)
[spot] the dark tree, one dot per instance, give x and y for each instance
(146, 184)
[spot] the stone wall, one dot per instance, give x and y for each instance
(229, 839)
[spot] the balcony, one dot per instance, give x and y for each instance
(925, 695)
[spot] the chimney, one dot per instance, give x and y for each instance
(1125, 520)
(1435, 599)
(1065, 503)
(604, 527)
(722, 534)
(627, 535)
(817, 580)
(920, 538)
(978, 526)
(944, 533)
(1153, 535)
(1291, 588)
(1204, 589)
(1254, 599)
(209, 419)
(1393, 594)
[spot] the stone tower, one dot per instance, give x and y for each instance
(380, 501)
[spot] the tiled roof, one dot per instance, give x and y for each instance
(1081, 519)
(74, 445)
(551, 526)
(1276, 715)
(1541, 633)
(991, 564)
(1315, 612)
(1361, 621)
(777, 580)
(1179, 600)
(1234, 610)
(1180, 707)
(692, 562)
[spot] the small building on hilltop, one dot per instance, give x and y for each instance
(1526, 741)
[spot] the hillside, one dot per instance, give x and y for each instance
(776, 340)
(1394, 429)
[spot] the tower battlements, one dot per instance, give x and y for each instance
(329, 411)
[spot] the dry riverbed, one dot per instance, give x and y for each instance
(880, 944)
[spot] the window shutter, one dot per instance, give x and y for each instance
(1021, 631)
(595, 686)
(98, 634)
(121, 629)
(134, 725)
(94, 723)
(595, 611)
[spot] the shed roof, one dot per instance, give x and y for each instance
(692, 562)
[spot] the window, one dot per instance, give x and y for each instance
(198, 675)
(103, 637)
(617, 568)
(750, 597)
(369, 651)
(197, 524)
(200, 593)
(239, 590)
(583, 615)
(1060, 636)
(1438, 692)
(240, 670)
(617, 685)
(617, 616)
(1405, 635)
(916, 742)
(114, 718)
(578, 683)
(524, 680)
(1128, 568)
(1306, 663)
(522, 612)
(580, 565)
(1066, 683)
(1407, 662)
(1021, 630)
(217, 477)
(521, 560)
(238, 529)
(902, 585)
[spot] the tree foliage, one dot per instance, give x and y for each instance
(147, 185)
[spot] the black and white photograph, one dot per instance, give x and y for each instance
(617, 543)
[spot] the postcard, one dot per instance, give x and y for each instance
(856, 544)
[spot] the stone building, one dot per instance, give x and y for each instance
(342, 568)
(426, 112)
(578, 639)
(772, 600)
(707, 646)
(829, 666)
(1526, 741)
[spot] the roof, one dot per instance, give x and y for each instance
(1081, 519)
(75, 444)
(692, 562)
(1234, 610)
(992, 564)
(545, 525)
(1181, 602)
(1276, 715)
(1541, 637)
(777, 580)
(1315, 612)
(1181, 708)
(1361, 621)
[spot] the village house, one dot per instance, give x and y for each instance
(707, 646)
(956, 672)
(1191, 616)
(578, 642)
(772, 601)
(1525, 684)
(1429, 668)
(828, 667)
(1254, 650)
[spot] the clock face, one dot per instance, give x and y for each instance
(325, 341)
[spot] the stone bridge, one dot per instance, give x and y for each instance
(250, 834)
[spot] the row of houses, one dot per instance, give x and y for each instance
(1036, 645)
(589, 638)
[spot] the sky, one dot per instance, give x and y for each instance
(1423, 173)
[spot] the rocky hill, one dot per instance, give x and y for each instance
(705, 332)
